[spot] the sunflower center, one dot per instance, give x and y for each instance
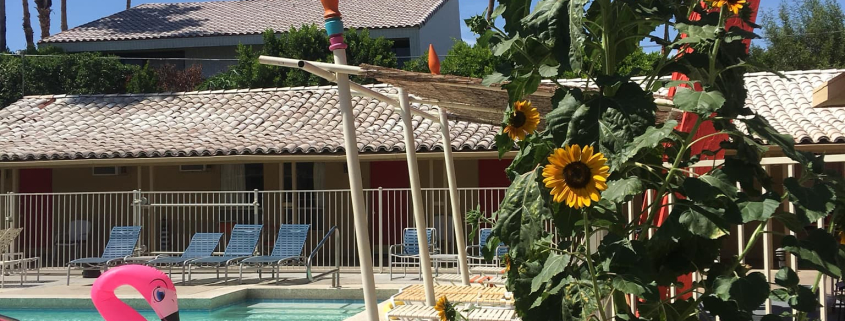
(577, 175)
(518, 119)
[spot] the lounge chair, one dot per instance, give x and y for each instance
(287, 250)
(476, 250)
(458, 294)
(241, 245)
(202, 245)
(10, 261)
(72, 241)
(490, 304)
(422, 312)
(408, 253)
(121, 246)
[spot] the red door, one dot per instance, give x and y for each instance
(491, 173)
(35, 212)
(395, 205)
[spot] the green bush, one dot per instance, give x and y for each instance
(307, 43)
(83, 73)
(145, 80)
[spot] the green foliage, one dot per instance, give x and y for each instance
(802, 35)
(145, 80)
(466, 60)
(556, 273)
(84, 73)
(307, 43)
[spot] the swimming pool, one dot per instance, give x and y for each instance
(288, 310)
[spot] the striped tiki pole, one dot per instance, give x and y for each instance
(334, 27)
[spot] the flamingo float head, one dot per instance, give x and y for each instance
(153, 284)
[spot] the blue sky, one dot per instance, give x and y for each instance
(83, 11)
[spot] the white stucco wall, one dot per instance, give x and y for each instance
(442, 29)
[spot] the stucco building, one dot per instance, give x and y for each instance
(214, 29)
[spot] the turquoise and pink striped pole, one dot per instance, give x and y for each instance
(334, 27)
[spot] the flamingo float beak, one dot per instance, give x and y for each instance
(172, 317)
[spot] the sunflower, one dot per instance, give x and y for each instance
(522, 121)
(576, 175)
(444, 309)
(733, 5)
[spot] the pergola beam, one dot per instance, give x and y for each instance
(831, 93)
(313, 68)
(417, 197)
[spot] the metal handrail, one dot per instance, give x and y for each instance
(336, 271)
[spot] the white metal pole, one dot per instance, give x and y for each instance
(334, 27)
(457, 216)
(416, 196)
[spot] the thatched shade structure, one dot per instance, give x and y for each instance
(467, 99)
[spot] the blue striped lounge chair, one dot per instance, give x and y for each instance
(475, 251)
(287, 251)
(408, 252)
(241, 245)
(202, 245)
(121, 245)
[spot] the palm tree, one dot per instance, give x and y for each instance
(128, 4)
(2, 25)
(27, 26)
(44, 8)
(64, 15)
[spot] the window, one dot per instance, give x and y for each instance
(308, 205)
(402, 49)
(107, 171)
(193, 168)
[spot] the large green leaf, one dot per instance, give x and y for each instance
(703, 221)
(623, 190)
(787, 278)
(761, 127)
(629, 264)
(504, 144)
(565, 103)
(813, 202)
(758, 210)
(749, 292)
(513, 11)
(549, 23)
(627, 115)
(652, 137)
(535, 151)
(521, 215)
(554, 265)
(790, 220)
(576, 34)
(699, 102)
(819, 249)
(696, 33)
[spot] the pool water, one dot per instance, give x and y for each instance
(287, 310)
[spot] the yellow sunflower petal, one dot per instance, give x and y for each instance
(575, 152)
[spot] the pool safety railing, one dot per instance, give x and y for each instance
(59, 227)
(310, 262)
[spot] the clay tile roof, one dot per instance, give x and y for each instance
(244, 17)
(261, 121)
(306, 120)
(787, 104)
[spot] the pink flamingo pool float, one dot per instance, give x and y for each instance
(153, 284)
